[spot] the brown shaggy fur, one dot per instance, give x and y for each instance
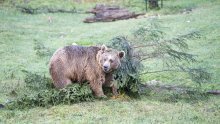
(79, 64)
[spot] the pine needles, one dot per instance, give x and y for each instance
(40, 93)
(149, 43)
(127, 75)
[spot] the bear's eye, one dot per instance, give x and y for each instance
(104, 59)
(110, 60)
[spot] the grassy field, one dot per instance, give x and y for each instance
(20, 33)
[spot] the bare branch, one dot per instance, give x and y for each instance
(159, 71)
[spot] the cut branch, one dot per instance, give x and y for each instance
(159, 71)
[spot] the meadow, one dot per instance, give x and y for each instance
(21, 33)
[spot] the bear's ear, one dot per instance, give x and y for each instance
(103, 48)
(121, 54)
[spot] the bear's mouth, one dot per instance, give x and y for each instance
(107, 70)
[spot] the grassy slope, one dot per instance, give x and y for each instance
(204, 19)
(18, 32)
(115, 111)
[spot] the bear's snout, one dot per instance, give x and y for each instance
(106, 67)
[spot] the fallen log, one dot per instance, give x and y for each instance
(29, 10)
(214, 92)
(106, 13)
(101, 7)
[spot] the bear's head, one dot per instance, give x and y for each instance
(109, 59)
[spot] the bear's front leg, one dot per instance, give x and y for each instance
(114, 89)
(110, 82)
(96, 87)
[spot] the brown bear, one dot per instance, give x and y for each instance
(78, 64)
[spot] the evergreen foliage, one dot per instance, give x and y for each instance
(42, 94)
(150, 42)
(128, 75)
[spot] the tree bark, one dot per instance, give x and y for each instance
(153, 4)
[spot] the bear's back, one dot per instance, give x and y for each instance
(80, 52)
(73, 61)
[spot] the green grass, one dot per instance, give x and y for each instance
(116, 111)
(19, 32)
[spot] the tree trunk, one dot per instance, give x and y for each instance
(153, 4)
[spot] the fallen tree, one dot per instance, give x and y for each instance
(107, 13)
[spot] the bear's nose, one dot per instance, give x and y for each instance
(105, 67)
